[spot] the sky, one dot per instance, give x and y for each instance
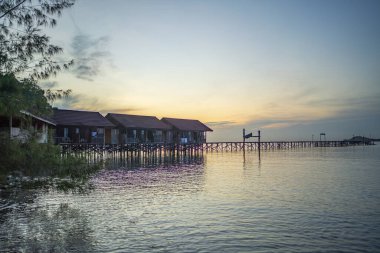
(292, 69)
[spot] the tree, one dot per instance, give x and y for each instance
(11, 101)
(26, 95)
(16, 96)
(52, 95)
(24, 49)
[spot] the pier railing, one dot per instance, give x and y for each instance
(146, 154)
(136, 149)
(150, 154)
(240, 146)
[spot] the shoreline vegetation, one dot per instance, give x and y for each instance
(27, 164)
(32, 165)
(27, 55)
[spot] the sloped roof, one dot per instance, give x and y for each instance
(137, 121)
(80, 118)
(186, 124)
(43, 119)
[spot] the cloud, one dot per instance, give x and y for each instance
(129, 110)
(89, 103)
(220, 124)
(79, 101)
(90, 56)
(280, 125)
(349, 107)
(356, 102)
(48, 84)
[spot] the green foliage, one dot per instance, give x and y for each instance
(25, 95)
(24, 49)
(32, 159)
(51, 95)
(10, 95)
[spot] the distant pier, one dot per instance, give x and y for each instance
(164, 150)
(240, 146)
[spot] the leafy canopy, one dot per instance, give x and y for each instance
(22, 95)
(24, 49)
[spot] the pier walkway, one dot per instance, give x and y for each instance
(169, 149)
(239, 146)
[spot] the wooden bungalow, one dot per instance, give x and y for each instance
(26, 125)
(187, 131)
(82, 127)
(139, 129)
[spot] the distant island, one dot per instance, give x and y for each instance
(362, 139)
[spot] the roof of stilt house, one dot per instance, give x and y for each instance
(40, 118)
(137, 121)
(80, 118)
(187, 124)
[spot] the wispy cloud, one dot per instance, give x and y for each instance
(220, 124)
(79, 101)
(90, 55)
(90, 103)
(48, 84)
(275, 123)
(360, 102)
(128, 110)
(280, 125)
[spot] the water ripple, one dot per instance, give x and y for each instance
(319, 200)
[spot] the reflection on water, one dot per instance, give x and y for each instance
(45, 229)
(150, 161)
(288, 201)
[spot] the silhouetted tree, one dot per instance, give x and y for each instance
(52, 95)
(26, 95)
(24, 49)
(17, 96)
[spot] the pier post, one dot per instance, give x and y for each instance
(244, 139)
(259, 136)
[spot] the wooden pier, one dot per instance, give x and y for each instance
(271, 145)
(151, 155)
(146, 154)
(132, 149)
(163, 149)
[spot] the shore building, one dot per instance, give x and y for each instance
(82, 127)
(26, 125)
(187, 131)
(139, 129)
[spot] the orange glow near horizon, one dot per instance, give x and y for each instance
(223, 67)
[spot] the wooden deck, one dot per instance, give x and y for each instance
(136, 154)
(270, 145)
(150, 155)
(162, 148)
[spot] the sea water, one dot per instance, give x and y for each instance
(296, 200)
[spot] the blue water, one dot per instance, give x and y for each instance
(302, 200)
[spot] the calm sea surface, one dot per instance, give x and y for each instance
(304, 200)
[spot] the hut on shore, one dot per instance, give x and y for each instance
(187, 131)
(26, 125)
(81, 127)
(139, 129)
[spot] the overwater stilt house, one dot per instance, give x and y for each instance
(82, 127)
(26, 125)
(139, 129)
(187, 131)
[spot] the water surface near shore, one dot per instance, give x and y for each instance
(302, 200)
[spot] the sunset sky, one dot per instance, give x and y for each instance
(290, 68)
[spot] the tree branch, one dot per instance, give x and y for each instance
(11, 9)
